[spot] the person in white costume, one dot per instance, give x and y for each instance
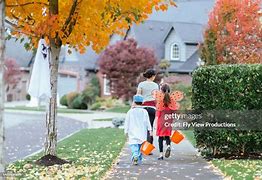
(137, 125)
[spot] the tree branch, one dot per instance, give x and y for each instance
(69, 21)
(25, 4)
(10, 23)
(127, 31)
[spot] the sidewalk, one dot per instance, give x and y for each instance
(183, 164)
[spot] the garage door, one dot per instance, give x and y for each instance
(66, 84)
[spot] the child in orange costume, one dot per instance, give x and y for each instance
(165, 102)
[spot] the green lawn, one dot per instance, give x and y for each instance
(122, 109)
(92, 152)
(42, 109)
(240, 169)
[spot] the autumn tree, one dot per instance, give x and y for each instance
(11, 74)
(78, 24)
(2, 94)
(122, 63)
(234, 33)
(164, 65)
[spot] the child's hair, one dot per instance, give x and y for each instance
(166, 90)
(149, 73)
(138, 103)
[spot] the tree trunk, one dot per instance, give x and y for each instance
(2, 87)
(51, 115)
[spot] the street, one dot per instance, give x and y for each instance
(25, 133)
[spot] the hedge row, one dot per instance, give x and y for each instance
(228, 87)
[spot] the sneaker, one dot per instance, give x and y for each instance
(150, 154)
(168, 152)
(160, 158)
(135, 161)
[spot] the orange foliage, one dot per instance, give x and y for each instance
(79, 23)
(237, 32)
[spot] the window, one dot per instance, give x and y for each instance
(175, 52)
(107, 90)
(63, 75)
(71, 76)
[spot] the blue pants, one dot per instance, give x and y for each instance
(135, 148)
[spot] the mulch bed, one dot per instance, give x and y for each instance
(250, 156)
(50, 160)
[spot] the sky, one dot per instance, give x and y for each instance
(195, 11)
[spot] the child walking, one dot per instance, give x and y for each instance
(137, 125)
(164, 129)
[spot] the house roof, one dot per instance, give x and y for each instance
(191, 11)
(151, 34)
(185, 67)
(188, 32)
(87, 60)
(154, 33)
(16, 50)
(191, 63)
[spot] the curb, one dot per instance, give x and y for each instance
(42, 149)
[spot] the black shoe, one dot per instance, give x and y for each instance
(135, 161)
(168, 152)
(150, 154)
(160, 158)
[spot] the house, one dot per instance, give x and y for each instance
(174, 35)
(72, 70)
(176, 42)
(173, 41)
(16, 51)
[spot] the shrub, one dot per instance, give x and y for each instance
(28, 97)
(78, 103)
(109, 102)
(96, 106)
(70, 98)
(89, 94)
(63, 100)
(228, 87)
(92, 91)
(95, 83)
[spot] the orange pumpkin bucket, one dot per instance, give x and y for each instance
(177, 137)
(147, 148)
